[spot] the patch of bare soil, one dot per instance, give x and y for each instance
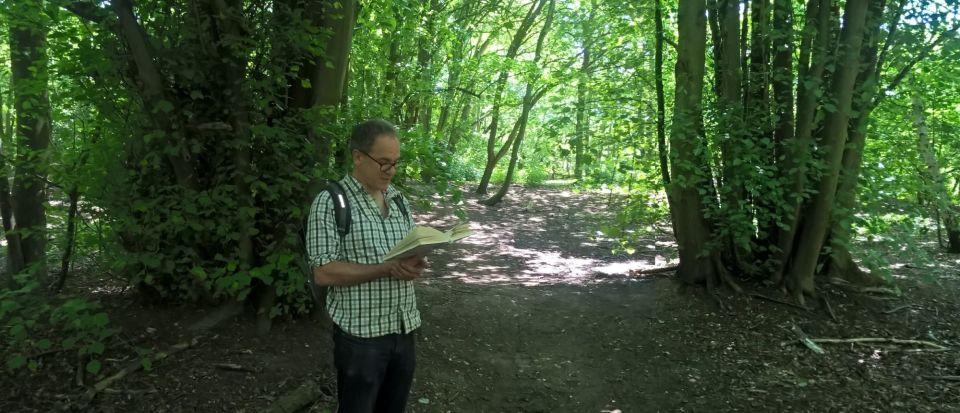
(534, 314)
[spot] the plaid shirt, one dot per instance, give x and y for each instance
(385, 305)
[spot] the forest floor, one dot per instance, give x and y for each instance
(534, 314)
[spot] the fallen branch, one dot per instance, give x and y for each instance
(654, 270)
(137, 365)
(948, 378)
(763, 297)
(234, 367)
(878, 340)
(811, 344)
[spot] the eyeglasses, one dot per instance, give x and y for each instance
(384, 166)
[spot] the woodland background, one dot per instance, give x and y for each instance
(174, 145)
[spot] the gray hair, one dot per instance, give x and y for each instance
(366, 132)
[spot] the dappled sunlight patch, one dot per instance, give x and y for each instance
(539, 237)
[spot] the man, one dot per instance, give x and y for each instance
(371, 302)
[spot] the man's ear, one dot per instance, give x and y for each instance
(355, 155)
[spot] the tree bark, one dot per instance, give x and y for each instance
(813, 56)
(688, 176)
(30, 75)
(841, 262)
(818, 216)
(782, 43)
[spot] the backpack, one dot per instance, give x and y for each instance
(342, 217)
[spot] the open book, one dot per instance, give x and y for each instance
(421, 240)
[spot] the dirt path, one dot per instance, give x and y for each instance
(533, 314)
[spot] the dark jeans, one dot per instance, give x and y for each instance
(373, 374)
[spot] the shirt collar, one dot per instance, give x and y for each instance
(358, 187)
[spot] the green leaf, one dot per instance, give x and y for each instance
(43, 344)
(18, 331)
(93, 366)
(100, 319)
(146, 363)
(16, 361)
(199, 272)
(97, 348)
(164, 106)
(69, 343)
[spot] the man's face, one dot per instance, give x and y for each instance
(376, 168)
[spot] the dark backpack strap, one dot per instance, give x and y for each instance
(403, 208)
(341, 207)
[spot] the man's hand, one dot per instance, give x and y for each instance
(407, 269)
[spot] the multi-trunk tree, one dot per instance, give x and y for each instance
(233, 114)
(763, 182)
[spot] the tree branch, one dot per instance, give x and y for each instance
(906, 69)
(87, 11)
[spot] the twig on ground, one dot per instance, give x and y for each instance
(879, 290)
(807, 341)
(763, 297)
(234, 367)
(80, 370)
(716, 297)
(878, 340)
(895, 309)
(830, 310)
(137, 365)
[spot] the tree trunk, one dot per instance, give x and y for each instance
(841, 262)
(530, 99)
(71, 240)
(163, 108)
(782, 40)
(936, 189)
(688, 176)
(583, 120)
(817, 217)
(661, 111)
(492, 154)
(28, 53)
(813, 56)
(14, 254)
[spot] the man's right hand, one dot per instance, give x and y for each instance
(405, 269)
